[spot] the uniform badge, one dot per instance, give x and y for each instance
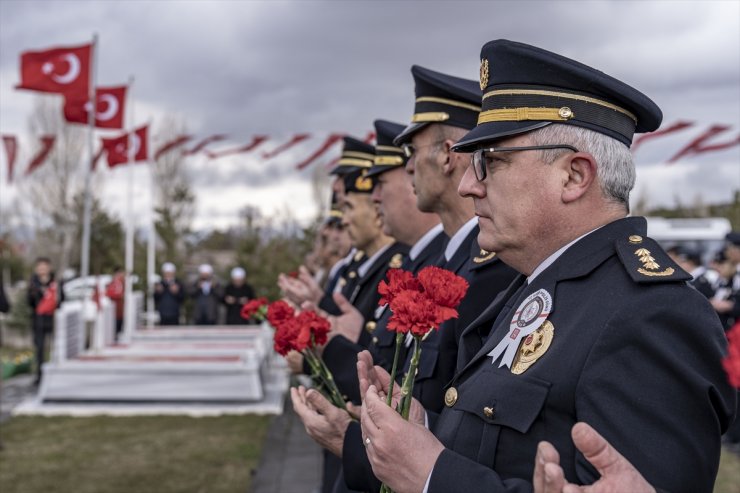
(363, 184)
(530, 315)
(484, 256)
(358, 256)
(532, 347)
(396, 261)
(483, 73)
(649, 265)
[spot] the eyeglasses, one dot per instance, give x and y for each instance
(480, 163)
(409, 149)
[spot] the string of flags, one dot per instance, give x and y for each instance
(65, 71)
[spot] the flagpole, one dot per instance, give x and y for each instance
(150, 252)
(85, 247)
(128, 305)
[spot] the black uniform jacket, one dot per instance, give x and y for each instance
(635, 352)
(487, 276)
(345, 278)
(343, 353)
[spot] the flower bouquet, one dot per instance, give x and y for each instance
(303, 332)
(731, 362)
(419, 305)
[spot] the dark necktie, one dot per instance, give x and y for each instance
(505, 312)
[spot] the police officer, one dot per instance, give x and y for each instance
(356, 156)
(600, 327)
(446, 107)
(393, 196)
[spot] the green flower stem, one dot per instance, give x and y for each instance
(318, 368)
(394, 369)
(407, 389)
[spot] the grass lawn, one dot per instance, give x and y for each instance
(159, 454)
(728, 479)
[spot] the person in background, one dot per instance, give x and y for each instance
(236, 294)
(168, 296)
(44, 296)
(115, 290)
(4, 303)
(206, 294)
(703, 278)
(726, 293)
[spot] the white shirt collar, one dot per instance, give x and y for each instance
(341, 263)
(422, 243)
(552, 258)
(362, 270)
(699, 271)
(459, 236)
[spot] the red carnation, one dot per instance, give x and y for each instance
(278, 312)
(413, 312)
(310, 324)
(285, 336)
(252, 307)
(445, 288)
(731, 362)
(398, 280)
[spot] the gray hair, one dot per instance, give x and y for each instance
(614, 165)
(450, 132)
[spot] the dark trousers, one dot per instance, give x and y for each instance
(169, 319)
(43, 325)
(733, 432)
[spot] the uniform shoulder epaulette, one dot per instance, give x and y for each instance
(647, 262)
(480, 257)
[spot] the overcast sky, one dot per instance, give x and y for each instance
(283, 67)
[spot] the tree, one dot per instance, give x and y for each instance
(174, 197)
(106, 237)
(266, 251)
(50, 190)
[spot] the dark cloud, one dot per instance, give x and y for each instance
(280, 67)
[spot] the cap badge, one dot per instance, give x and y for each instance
(363, 184)
(483, 73)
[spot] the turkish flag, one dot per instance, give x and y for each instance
(60, 70)
(117, 148)
(47, 144)
(698, 145)
(109, 107)
(172, 144)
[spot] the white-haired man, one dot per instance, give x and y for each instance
(601, 326)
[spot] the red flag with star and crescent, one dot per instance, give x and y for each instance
(109, 107)
(116, 148)
(59, 70)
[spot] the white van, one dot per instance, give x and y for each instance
(703, 234)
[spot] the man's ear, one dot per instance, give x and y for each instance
(449, 158)
(579, 175)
